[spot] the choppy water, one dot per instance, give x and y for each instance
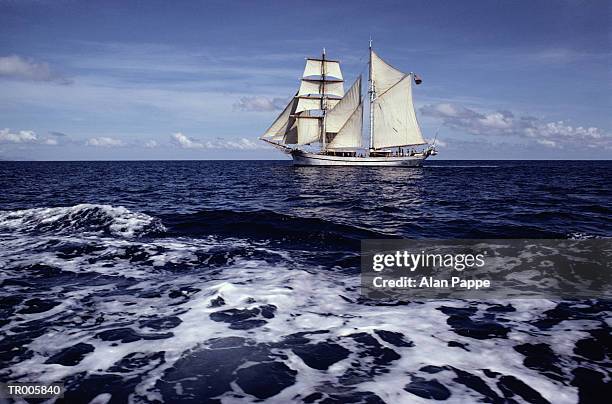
(238, 281)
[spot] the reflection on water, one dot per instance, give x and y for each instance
(378, 194)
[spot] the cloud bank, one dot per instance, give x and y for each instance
(186, 142)
(104, 141)
(23, 136)
(505, 123)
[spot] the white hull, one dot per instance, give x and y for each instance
(313, 159)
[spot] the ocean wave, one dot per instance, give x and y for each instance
(82, 218)
(292, 230)
(268, 225)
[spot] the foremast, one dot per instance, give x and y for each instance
(323, 103)
(320, 113)
(372, 95)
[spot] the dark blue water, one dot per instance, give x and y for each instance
(238, 281)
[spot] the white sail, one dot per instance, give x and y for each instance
(349, 135)
(337, 117)
(314, 68)
(305, 104)
(309, 88)
(395, 122)
(315, 87)
(281, 125)
(331, 102)
(322, 114)
(309, 104)
(384, 75)
(308, 130)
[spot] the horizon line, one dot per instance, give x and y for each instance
(287, 160)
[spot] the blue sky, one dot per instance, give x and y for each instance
(203, 79)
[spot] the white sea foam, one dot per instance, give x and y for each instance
(118, 221)
(307, 299)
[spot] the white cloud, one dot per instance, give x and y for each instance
(24, 69)
(104, 141)
(150, 144)
(562, 131)
(259, 103)
(23, 136)
(243, 143)
(460, 117)
(185, 142)
(49, 141)
(506, 123)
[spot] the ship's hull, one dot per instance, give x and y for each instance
(313, 159)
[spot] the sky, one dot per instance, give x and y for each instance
(146, 80)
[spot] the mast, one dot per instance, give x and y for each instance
(306, 119)
(323, 140)
(393, 118)
(371, 92)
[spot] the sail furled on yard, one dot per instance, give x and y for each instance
(395, 122)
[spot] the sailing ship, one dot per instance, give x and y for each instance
(322, 125)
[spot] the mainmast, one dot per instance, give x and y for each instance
(371, 92)
(323, 136)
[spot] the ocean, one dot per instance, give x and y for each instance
(238, 281)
